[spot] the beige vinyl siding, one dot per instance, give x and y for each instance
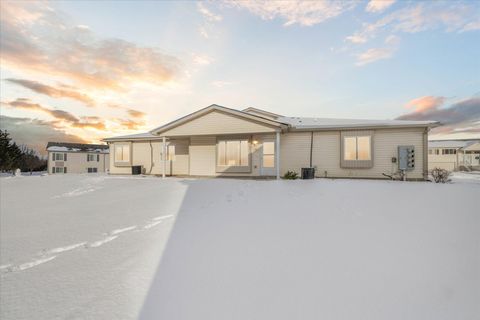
(294, 151)
(443, 161)
(295, 148)
(77, 162)
(180, 166)
(217, 123)
(202, 156)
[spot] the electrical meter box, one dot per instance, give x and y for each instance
(406, 158)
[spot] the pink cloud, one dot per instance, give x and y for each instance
(425, 103)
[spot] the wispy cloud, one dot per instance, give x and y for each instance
(378, 5)
(462, 116)
(201, 59)
(221, 83)
(61, 115)
(135, 113)
(210, 18)
(452, 17)
(130, 124)
(305, 13)
(381, 53)
(52, 91)
(207, 13)
(35, 37)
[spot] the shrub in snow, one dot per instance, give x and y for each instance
(290, 175)
(440, 175)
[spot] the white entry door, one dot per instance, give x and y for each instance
(268, 158)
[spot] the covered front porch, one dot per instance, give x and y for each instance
(233, 155)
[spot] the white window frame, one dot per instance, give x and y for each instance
(356, 163)
(122, 161)
(59, 156)
(59, 169)
(356, 148)
(240, 167)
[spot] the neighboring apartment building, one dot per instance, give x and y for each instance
(66, 157)
(454, 155)
(219, 141)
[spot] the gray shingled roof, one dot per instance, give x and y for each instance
(78, 146)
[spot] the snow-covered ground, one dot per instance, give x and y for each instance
(112, 247)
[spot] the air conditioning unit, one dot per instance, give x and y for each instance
(137, 170)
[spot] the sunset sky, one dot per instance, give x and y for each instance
(83, 71)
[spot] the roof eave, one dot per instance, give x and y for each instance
(363, 127)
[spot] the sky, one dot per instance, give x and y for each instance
(82, 71)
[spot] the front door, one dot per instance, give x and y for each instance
(268, 158)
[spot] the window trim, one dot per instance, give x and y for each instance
(234, 169)
(356, 164)
(55, 154)
(54, 170)
(122, 163)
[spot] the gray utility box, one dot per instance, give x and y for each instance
(406, 158)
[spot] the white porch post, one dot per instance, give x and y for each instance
(164, 156)
(277, 155)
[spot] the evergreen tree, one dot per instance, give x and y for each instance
(12, 156)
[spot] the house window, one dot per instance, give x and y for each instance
(59, 170)
(93, 157)
(92, 170)
(268, 154)
(122, 153)
(437, 151)
(430, 151)
(449, 151)
(59, 156)
(233, 153)
(357, 148)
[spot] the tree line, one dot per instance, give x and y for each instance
(13, 156)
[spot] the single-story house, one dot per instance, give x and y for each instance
(64, 157)
(454, 155)
(220, 141)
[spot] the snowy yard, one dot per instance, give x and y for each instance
(112, 247)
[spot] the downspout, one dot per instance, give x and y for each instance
(311, 150)
(151, 157)
(425, 154)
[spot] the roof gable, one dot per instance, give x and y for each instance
(218, 120)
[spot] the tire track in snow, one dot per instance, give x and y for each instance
(163, 217)
(66, 248)
(99, 243)
(31, 264)
(114, 234)
(152, 224)
(117, 231)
